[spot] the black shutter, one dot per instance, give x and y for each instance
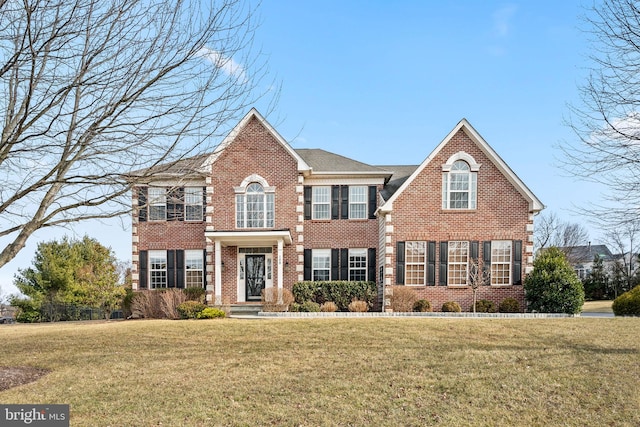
(344, 264)
(307, 264)
(400, 263)
(171, 269)
(142, 204)
(335, 201)
(373, 201)
(204, 204)
(180, 269)
(371, 264)
(204, 269)
(307, 204)
(444, 263)
(344, 208)
(517, 262)
(143, 267)
(431, 263)
(473, 251)
(335, 264)
(486, 256)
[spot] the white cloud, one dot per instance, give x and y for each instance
(227, 65)
(502, 20)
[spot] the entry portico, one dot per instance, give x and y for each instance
(254, 260)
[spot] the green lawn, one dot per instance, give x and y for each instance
(310, 372)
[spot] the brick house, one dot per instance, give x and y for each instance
(257, 213)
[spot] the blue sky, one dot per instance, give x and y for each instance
(384, 82)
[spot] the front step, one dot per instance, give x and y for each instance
(246, 309)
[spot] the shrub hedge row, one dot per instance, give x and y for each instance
(339, 292)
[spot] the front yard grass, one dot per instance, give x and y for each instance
(311, 372)
(603, 306)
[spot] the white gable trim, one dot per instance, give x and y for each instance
(461, 155)
(302, 165)
(535, 205)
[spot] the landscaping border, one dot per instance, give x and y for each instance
(414, 314)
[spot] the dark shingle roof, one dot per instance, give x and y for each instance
(188, 166)
(325, 161)
(400, 175)
(587, 253)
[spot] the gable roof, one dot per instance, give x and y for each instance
(535, 205)
(253, 113)
(326, 163)
(587, 253)
(400, 173)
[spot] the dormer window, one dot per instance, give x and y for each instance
(459, 182)
(255, 205)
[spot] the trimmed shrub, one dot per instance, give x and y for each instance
(553, 286)
(422, 306)
(211, 313)
(306, 307)
(403, 299)
(627, 304)
(328, 307)
(276, 300)
(451, 307)
(484, 306)
(358, 306)
(194, 294)
(339, 292)
(509, 305)
(190, 309)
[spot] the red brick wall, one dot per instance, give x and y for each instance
(502, 214)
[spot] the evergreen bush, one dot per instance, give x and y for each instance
(627, 304)
(451, 307)
(509, 305)
(552, 286)
(422, 306)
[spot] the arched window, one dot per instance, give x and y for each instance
(459, 185)
(254, 207)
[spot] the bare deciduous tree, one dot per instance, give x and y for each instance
(92, 90)
(479, 276)
(625, 242)
(607, 120)
(552, 231)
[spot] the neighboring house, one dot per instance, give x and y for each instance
(581, 258)
(257, 213)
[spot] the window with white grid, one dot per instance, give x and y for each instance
(415, 263)
(357, 202)
(193, 268)
(501, 262)
(158, 269)
(321, 202)
(321, 264)
(157, 204)
(357, 264)
(193, 203)
(458, 263)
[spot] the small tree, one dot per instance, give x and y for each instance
(596, 284)
(478, 276)
(552, 286)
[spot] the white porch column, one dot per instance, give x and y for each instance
(218, 273)
(280, 269)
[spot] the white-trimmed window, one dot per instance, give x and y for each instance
(358, 202)
(193, 203)
(255, 208)
(415, 263)
(458, 263)
(193, 268)
(501, 262)
(357, 264)
(321, 202)
(459, 186)
(157, 269)
(157, 204)
(321, 264)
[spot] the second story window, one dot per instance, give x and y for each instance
(193, 203)
(460, 182)
(255, 208)
(157, 204)
(321, 202)
(357, 202)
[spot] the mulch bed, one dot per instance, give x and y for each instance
(13, 376)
